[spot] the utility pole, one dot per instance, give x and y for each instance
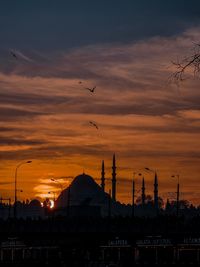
(16, 170)
(133, 198)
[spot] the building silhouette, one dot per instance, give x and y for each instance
(85, 197)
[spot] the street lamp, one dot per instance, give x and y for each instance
(16, 170)
(177, 193)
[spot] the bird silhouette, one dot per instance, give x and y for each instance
(91, 89)
(94, 125)
(13, 54)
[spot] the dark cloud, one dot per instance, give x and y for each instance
(10, 114)
(147, 107)
(48, 24)
(53, 151)
(28, 99)
(168, 128)
(7, 129)
(59, 151)
(6, 183)
(74, 104)
(19, 141)
(158, 154)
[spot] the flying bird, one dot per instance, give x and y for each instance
(80, 82)
(94, 125)
(13, 54)
(19, 55)
(91, 89)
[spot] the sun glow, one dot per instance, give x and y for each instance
(52, 204)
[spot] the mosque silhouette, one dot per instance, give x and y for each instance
(85, 197)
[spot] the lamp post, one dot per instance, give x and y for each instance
(177, 193)
(16, 171)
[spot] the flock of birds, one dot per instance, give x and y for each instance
(91, 90)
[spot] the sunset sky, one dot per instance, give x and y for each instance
(125, 49)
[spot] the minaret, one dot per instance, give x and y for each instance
(103, 176)
(156, 192)
(143, 192)
(114, 179)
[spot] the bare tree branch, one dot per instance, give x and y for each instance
(192, 62)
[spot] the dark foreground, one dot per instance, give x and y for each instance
(163, 241)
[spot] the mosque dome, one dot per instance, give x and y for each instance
(85, 192)
(82, 190)
(84, 181)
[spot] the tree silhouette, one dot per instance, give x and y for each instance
(191, 62)
(160, 202)
(148, 200)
